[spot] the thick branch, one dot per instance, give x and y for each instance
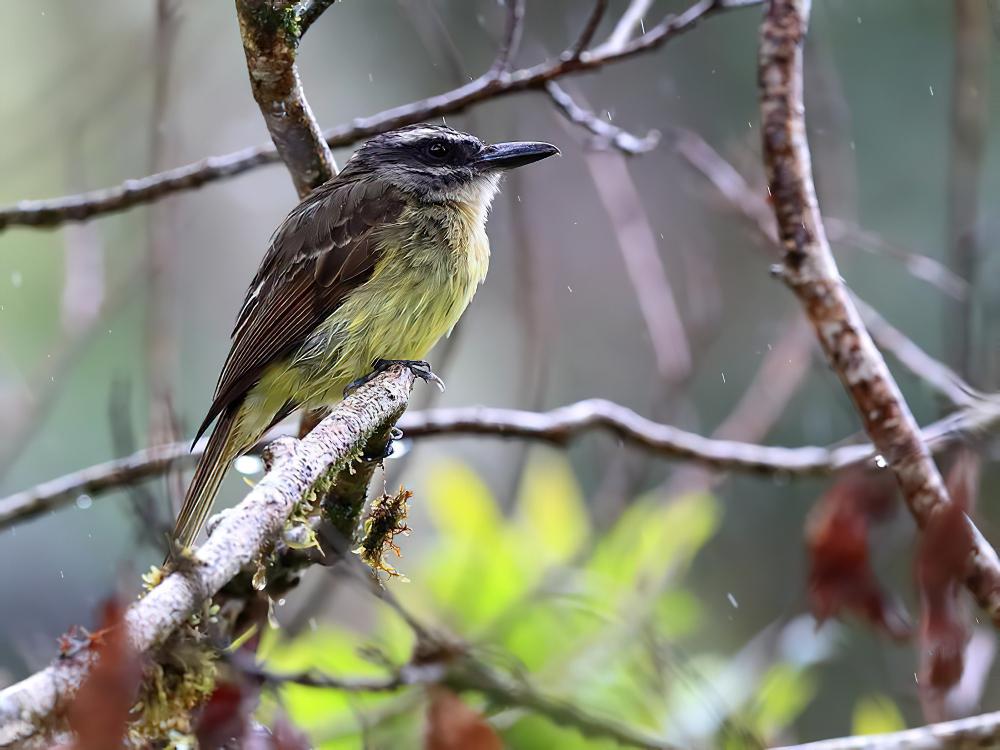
(53, 212)
(270, 40)
(811, 272)
(559, 427)
(30, 706)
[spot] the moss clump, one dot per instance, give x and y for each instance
(271, 19)
(385, 521)
(172, 688)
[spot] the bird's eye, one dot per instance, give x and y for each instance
(437, 150)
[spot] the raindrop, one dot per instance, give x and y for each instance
(84, 501)
(16, 279)
(931, 89)
(723, 378)
(880, 461)
(249, 465)
(281, 602)
(732, 600)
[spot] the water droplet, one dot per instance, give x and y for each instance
(732, 600)
(84, 501)
(16, 279)
(259, 580)
(880, 461)
(248, 465)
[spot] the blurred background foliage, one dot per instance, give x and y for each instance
(591, 570)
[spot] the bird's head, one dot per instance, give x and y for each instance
(434, 163)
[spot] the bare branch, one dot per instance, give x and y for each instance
(511, 40)
(607, 134)
(922, 267)
(53, 212)
(31, 707)
(639, 249)
(626, 26)
(969, 129)
(558, 427)
(753, 205)
(270, 41)
(589, 29)
(963, 734)
(811, 273)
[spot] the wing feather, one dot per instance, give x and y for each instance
(323, 249)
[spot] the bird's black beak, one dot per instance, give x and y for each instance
(517, 154)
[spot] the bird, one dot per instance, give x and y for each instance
(373, 266)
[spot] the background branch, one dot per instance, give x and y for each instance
(811, 272)
(558, 427)
(56, 211)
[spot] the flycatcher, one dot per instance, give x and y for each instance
(376, 264)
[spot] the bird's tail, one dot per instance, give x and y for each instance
(223, 447)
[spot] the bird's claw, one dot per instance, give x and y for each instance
(418, 367)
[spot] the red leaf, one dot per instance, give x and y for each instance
(452, 725)
(99, 712)
(942, 565)
(225, 718)
(840, 573)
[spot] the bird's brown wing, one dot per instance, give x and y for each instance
(326, 247)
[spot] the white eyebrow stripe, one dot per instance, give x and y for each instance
(423, 134)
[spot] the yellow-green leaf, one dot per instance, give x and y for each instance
(875, 714)
(551, 507)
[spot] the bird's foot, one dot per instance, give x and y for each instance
(394, 435)
(418, 367)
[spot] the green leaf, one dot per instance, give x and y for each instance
(875, 714)
(784, 694)
(480, 566)
(551, 508)
(678, 613)
(460, 503)
(654, 538)
(331, 650)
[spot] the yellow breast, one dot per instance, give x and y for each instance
(431, 263)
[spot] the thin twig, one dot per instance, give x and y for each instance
(753, 205)
(606, 133)
(811, 273)
(625, 28)
(964, 734)
(646, 272)
(935, 373)
(969, 130)
(511, 40)
(53, 212)
(781, 373)
(558, 427)
(31, 707)
(589, 29)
